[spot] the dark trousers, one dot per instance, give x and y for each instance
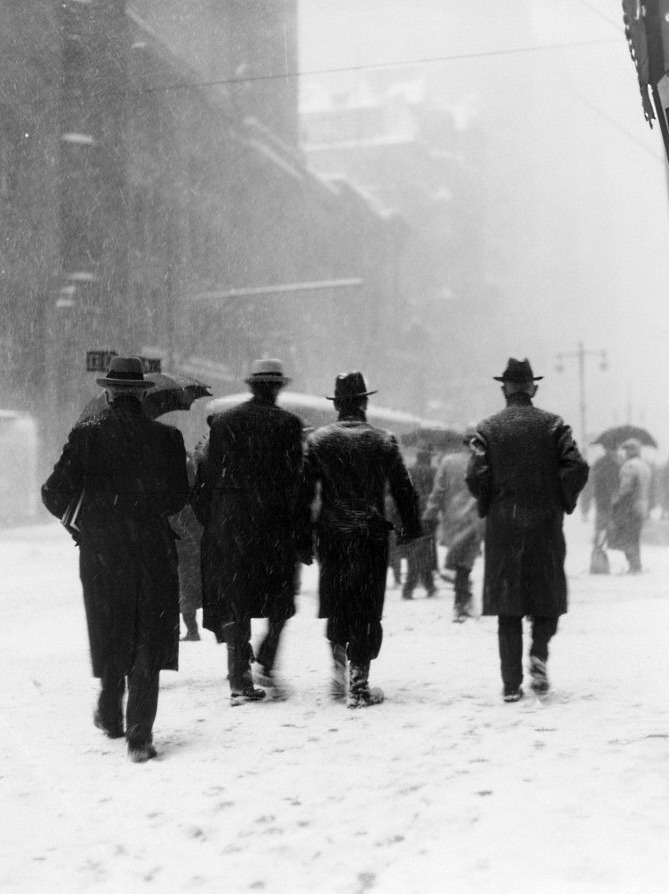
(420, 565)
(142, 704)
(361, 638)
(510, 635)
(462, 587)
(632, 545)
(237, 636)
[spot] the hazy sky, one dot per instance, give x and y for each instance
(575, 173)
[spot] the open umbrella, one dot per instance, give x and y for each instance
(612, 438)
(172, 391)
(437, 436)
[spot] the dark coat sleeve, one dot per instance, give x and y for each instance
(173, 495)
(67, 479)
(572, 468)
(404, 494)
(479, 474)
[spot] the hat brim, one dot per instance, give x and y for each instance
(126, 383)
(268, 377)
(351, 396)
(507, 379)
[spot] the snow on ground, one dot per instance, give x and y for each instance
(443, 788)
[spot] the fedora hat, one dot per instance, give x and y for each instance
(517, 371)
(349, 385)
(268, 369)
(127, 372)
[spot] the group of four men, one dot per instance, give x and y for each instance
(266, 504)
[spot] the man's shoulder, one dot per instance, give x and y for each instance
(351, 429)
(250, 409)
(510, 414)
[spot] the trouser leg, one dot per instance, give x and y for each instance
(190, 620)
(238, 643)
(411, 578)
(143, 687)
(365, 638)
(543, 630)
(270, 644)
(462, 588)
(510, 636)
(426, 574)
(110, 701)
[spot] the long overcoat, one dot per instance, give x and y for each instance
(351, 463)
(451, 502)
(526, 472)
(249, 497)
(132, 471)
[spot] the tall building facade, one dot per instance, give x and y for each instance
(156, 201)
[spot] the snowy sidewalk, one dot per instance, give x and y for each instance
(443, 788)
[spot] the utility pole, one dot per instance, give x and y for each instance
(580, 354)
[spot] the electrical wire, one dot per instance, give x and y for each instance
(431, 60)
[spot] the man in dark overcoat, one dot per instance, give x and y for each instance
(250, 499)
(525, 472)
(350, 463)
(131, 471)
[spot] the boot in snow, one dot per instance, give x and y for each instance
(359, 693)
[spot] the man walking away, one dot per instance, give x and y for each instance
(127, 473)
(352, 463)
(249, 497)
(525, 472)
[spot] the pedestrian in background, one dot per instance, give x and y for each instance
(525, 472)
(128, 475)
(351, 464)
(249, 497)
(452, 506)
(189, 533)
(630, 505)
(422, 553)
(396, 551)
(604, 479)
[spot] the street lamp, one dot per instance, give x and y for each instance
(581, 353)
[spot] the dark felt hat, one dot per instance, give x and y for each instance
(349, 385)
(517, 371)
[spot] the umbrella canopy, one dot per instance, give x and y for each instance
(612, 438)
(316, 411)
(437, 436)
(172, 391)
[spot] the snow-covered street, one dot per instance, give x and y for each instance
(443, 788)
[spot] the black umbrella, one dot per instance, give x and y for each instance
(172, 391)
(438, 437)
(612, 438)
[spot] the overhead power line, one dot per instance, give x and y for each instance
(429, 60)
